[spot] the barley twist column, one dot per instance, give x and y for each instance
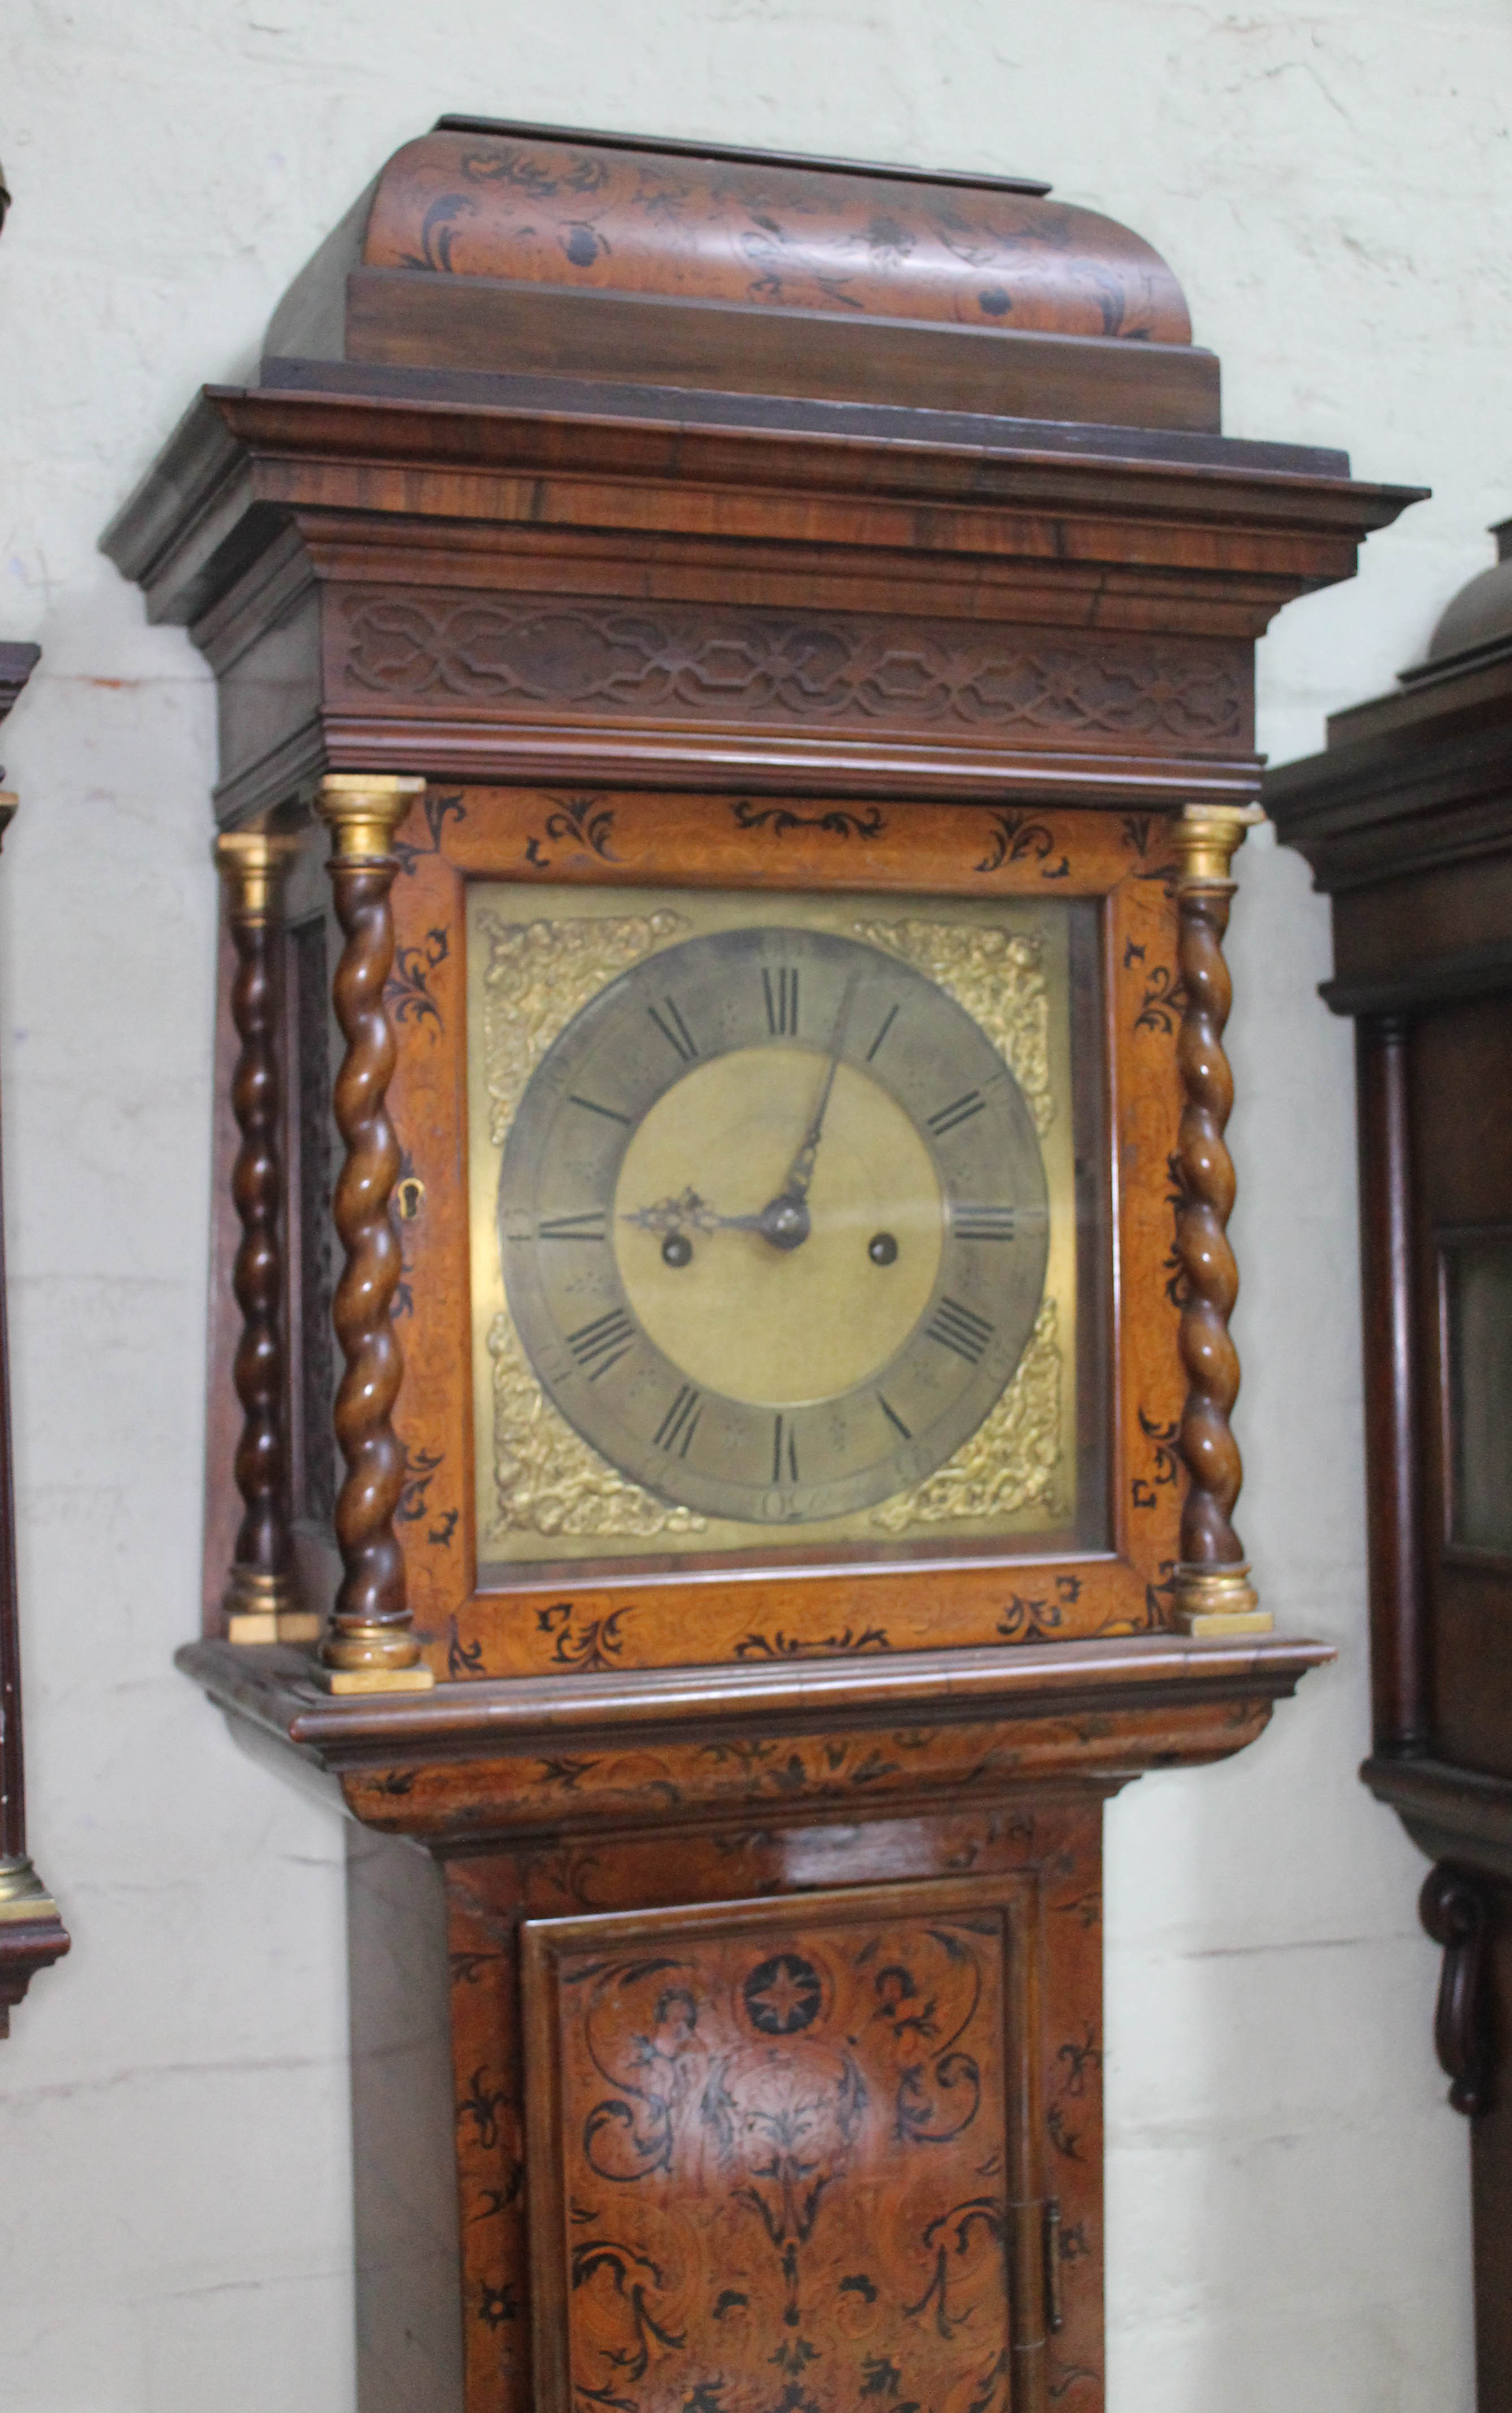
(368, 1645)
(1213, 1594)
(260, 1603)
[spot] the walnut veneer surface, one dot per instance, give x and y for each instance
(726, 1993)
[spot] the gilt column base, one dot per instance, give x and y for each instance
(264, 1609)
(1213, 1602)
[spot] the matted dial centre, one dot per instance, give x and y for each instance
(770, 1325)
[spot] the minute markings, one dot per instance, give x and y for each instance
(888, 1021)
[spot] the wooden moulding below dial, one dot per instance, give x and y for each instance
(677, 1743)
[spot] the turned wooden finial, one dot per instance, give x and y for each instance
(1213, 1592)
(260, 1599)
(368, 1645)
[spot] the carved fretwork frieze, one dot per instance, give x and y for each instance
(591, 657)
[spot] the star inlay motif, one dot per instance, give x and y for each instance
(783, 1994)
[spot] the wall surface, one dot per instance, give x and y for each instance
(1287, 2191)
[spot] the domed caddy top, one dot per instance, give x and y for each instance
(480, 243)
(1476, 622)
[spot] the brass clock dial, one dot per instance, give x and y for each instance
(773, 1220)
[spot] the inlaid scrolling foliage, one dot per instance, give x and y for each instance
(582, 822)
(786, 2166)
(552, 1878)
(837, 822)
(1017, 838)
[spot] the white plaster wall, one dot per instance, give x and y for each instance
(1288, 2193)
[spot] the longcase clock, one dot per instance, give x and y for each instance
(1405, 822)
(736, 682)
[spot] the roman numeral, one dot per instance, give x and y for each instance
(893, 1418)
(956, 1327)
(675, 1030)
(781, 1003)
(602, 1344)
(891, 1018)
(784, 1442)
(680, 1423)
(610, 1113)
(590, 1225)
(959, 1110)
(982, 1222)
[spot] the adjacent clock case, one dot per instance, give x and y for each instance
(633, 545)
(1405, 822)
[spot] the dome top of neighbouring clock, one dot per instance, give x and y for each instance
(491, 247)
(1476, 622)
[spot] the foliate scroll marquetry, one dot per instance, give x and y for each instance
(791, 2150)
(688, 661)
(260, 1601)
(1213, 1594)
(370, 1644)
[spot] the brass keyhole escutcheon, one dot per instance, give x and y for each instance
(410, 1195)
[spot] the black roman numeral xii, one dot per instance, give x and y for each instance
(781, 990)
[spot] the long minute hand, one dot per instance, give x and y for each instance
(801, 1171)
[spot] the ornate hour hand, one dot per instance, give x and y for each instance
(688, 1212)
(783, 1221)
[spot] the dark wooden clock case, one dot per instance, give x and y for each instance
(32, 1933)
(1406, 821)
(726, 1986)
